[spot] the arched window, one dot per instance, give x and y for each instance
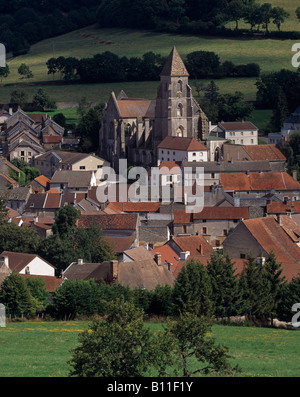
(179, 131)
(180, 85)
(180, 110)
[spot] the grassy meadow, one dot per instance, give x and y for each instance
(42, 349)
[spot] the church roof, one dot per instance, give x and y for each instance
(132, 108)
(174, 65)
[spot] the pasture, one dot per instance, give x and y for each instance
(42, 349)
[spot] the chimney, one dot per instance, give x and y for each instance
(114, 273)
(279, 220)
(80, 262)
(201, 249)
(157, 257)
(10, 111)
(295, 175)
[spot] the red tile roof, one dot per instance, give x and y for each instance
(18, 260)
(52, 282)
(120, 244)
(238, 125)
(134, 207)
(181, 216)
(256, 181)
(168, 256)
(264, 152)
(197, 245)
(278, 207)
(272, 237)
(181, 143)
(52, 138)
(109, 221)
(132, 108)
(230, 213)
(43, 180)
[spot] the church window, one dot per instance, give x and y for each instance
(180, 85)
(180, 110)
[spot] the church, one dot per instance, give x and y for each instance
(133, 128)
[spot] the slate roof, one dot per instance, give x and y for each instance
(74, 179)
(294, 117)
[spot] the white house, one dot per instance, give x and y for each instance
(174, 148)
(27, 264)
(239, 132)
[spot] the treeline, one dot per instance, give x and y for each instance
(23, 23)
(108, 67)
(260, 292)
(192, 16)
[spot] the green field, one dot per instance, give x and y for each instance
(42, 349)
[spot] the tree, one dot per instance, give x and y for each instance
(65, 221)
(42, 100)
(193, 344)
(298, 12)
(236, 11)
(77, 297)
(279, 15)
(232, 107)
(280, 111)
(201, 64)
(225, 289)
(120, 346)
(255, 288)
(266, 15)
(18, 97)
(15, 295)
(3, 210)
(24, 71)
(252, 15)
(18, 239)
(177, 9)
(273, 271)
(192, 290)
(4, 72)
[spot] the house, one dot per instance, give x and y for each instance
(17, 198)
(262, 236)
(175, 148)
(213, 169)
(49, 203)
(269, 153)
(30, 135)
(238, 132)
(73, 181)
(40, 184)
(283, 208)
(213, 223)
(290, 125)
(168, 256)
(137, 254)
(132, 128)
(27, 263)
(113, 225)
(193, 247)
(243, 186)
(169, 174)
(59, 160)
(147, 273)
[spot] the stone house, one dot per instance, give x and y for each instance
(174, 148)
(73, 181)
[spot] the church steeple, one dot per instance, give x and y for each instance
(174, 66)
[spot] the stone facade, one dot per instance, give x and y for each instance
(132, 128)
